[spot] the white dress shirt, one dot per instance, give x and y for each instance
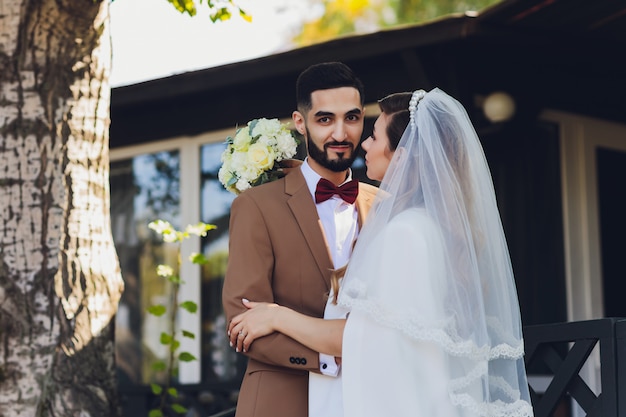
(339, 219)
(340, 222)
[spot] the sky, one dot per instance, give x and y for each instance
(152, 40)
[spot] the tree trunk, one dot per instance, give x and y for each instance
(59, 276)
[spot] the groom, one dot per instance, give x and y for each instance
(284, 242)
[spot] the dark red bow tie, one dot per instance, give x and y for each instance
(326, 189)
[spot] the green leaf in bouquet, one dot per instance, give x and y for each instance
(188, 334)
(262, 179)
(252, 125)
(232, 181)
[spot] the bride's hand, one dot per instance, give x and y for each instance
(248, 326)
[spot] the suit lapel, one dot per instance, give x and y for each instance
(305, 213)
(363, 203)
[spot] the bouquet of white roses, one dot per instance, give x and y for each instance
(251, 157)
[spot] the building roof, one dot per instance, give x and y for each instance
(562, 54)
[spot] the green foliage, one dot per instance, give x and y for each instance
(186, 357)
(171, 235)
(157, 310)
(179, 408)
(198, 258)
(418, 11)
(190, 306)
(220, 10)
(155, 413)
(344, 17)
(156, 389)
(169, 338)
(159, 366)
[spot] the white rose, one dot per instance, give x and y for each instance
(265, 140)
(286, 145)
(242, 185)
(265, 127)
(238, 161)
(242, 139)
(223, 175)
(261, 156)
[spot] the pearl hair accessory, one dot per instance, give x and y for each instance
(415, 98)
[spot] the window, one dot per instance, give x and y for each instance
(143, 188)
(219, 360)
(175, 181)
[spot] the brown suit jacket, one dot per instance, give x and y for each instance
(278, 253)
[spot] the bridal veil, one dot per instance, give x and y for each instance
(432, 265)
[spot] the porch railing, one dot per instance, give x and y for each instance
(559, 352)
(556, 353)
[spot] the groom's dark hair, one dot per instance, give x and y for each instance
(324, 76)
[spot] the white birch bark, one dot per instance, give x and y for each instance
(59, 276)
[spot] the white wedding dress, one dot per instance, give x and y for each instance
(434, 327)
(386, 372)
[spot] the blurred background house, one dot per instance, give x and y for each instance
(544, 82)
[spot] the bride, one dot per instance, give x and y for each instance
(434, 324)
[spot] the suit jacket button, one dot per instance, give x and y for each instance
(292, 359)
(297, 361)
(303, 361)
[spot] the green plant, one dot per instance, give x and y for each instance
(168, 395)
(219, 9)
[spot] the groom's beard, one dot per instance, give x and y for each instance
(320, 156)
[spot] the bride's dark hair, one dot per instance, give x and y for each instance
(396, 107)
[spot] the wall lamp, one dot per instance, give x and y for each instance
(498, 107)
